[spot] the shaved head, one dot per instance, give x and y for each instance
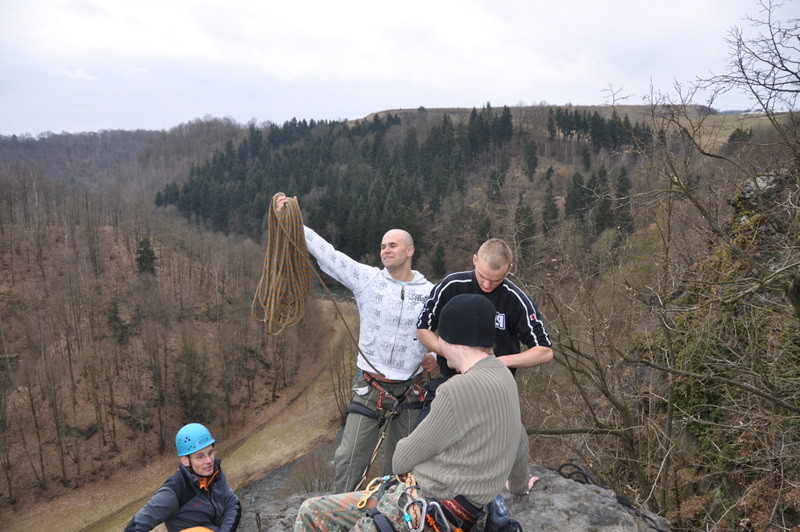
(400, 235)
(397, 248)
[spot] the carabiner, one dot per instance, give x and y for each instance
(409, 519)
(372, 488)
(438, 515)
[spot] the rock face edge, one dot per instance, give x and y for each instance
(554, 504)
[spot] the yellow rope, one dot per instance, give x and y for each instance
(282, 292)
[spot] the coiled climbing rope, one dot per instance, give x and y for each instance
(282, 293)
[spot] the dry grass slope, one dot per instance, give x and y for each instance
(285, 430)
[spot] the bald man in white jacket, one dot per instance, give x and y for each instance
(389, 302)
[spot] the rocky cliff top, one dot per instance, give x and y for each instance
(556, 504)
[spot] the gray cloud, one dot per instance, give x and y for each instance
(101, 64)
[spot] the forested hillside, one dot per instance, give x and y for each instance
(119, 324)
(392, 170)
(661, 241)
(134, 162)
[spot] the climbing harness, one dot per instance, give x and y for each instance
(381, 521)
(388, 413)
(451, 515)
(383, 393)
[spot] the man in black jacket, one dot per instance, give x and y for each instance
(517, 318)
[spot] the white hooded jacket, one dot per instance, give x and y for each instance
(388, 309)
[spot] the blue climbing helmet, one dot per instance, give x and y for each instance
(191, 438)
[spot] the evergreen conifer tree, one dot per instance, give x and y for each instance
(602, 213)
(503, 127)
(478, 132)
(438, 262)
(586, 158)
(577, 199)
(120, 330)
(531, 159)
(622, 208)
(551, 124)
(145, 257)
(549, 208)
(483, 228)
(411, 153)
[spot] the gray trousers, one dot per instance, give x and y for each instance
(361, 432)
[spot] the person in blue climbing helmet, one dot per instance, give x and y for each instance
(197, 495)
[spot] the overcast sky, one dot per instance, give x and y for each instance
(87, 65)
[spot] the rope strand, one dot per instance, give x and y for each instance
(283, 302)
(282, 292)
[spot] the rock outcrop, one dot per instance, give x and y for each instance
(555, 504)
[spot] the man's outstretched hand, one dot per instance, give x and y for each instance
(281, 202)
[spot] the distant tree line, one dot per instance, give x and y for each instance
(602, 133)
(361, 176)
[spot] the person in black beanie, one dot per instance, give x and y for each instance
(461, 455)
(468, 320)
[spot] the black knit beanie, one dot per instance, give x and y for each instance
(468, 319)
